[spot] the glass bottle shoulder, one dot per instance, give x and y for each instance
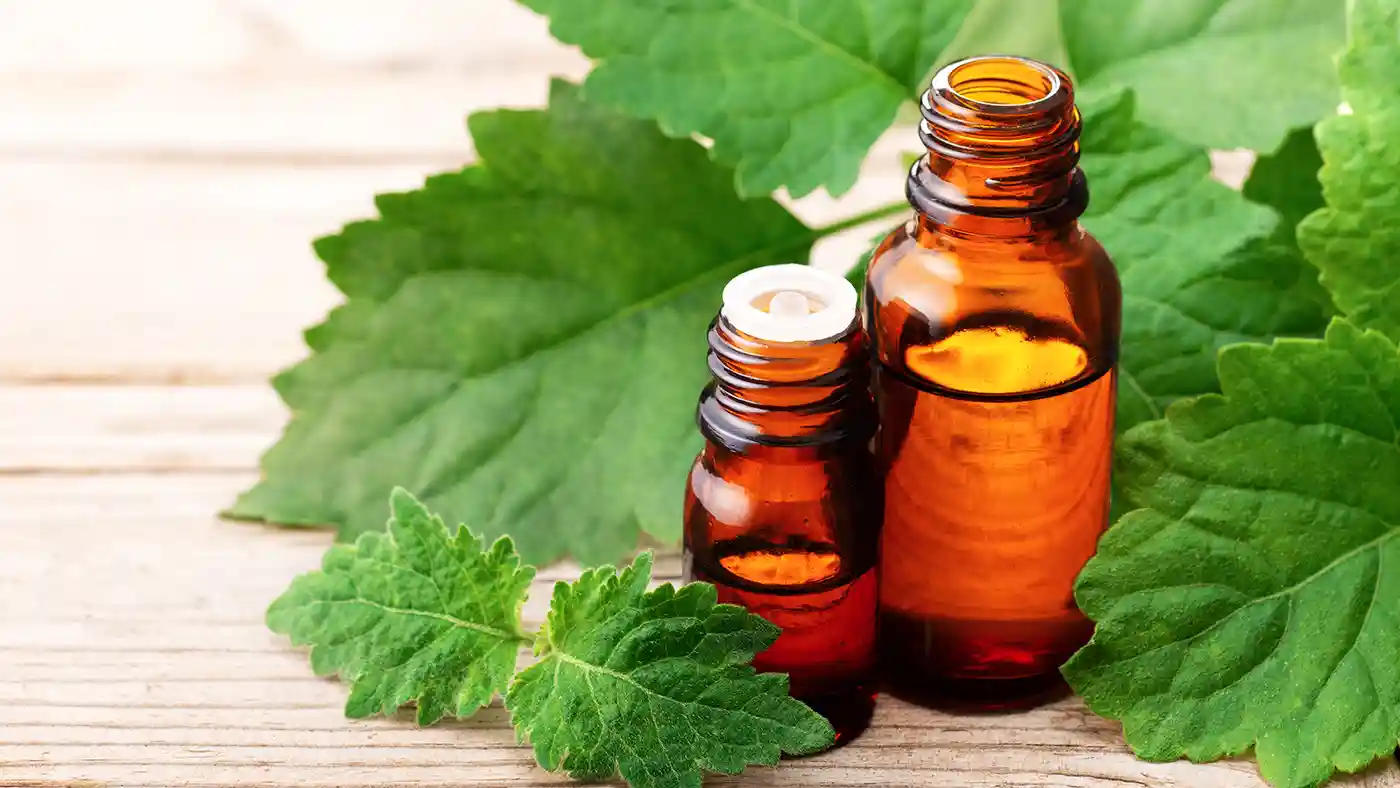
(922, 284)
(1022, 262)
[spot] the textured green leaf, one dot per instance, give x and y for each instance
(1255, 601)
(524, 340)
(1286, 180)
(655, 685)
(1028, 28)
(416, 615)
(793, 92)
(1355, 240)
(1217, 73)
(1197, 273)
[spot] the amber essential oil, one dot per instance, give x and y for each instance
(994, 320)
(783, 505)
(826, 613)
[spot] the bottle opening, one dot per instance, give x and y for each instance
(790, 303)
(1002, 135)
(1000, 84)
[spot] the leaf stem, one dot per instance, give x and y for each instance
(862, 218)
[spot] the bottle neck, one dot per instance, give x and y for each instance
(785, 394)
(965, 232)
(1002, 135)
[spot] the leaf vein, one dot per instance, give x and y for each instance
(499, 634)
(820, 42)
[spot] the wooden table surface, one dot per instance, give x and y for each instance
(163, 165)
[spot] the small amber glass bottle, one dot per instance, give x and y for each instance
(994, 320)
(783, 505)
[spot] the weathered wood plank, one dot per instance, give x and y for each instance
(132, 653)
(154, 37)
(75, 428)
(168, 273)
(291, 118)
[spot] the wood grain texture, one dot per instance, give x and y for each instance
(132, 652)
(69, 429)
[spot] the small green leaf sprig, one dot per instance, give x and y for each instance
(654, 685)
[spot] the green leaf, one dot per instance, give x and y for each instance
(655, 685)
(524, 340)
(416, 615)
(1255, 601)
(1028, 28)
(792, 93)
(1193, 256)
(795, 93)
(1217, 73)
(1355, 240)
(1286, 180)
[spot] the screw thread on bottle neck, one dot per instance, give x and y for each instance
(785, 393)
(1002, 135)
(787, 358)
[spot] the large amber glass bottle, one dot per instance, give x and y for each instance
(783, 505)
(995, 324)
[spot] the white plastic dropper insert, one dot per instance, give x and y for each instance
(789, 303)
